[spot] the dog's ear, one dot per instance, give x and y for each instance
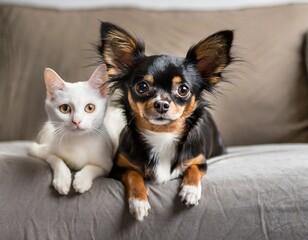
(211, 55)
(118, 49)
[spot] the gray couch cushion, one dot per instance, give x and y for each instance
(266, 102)
(257, 192)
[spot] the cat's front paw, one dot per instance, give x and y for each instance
(62, 182)
(190, 194)
(82, 182)
(139, 208)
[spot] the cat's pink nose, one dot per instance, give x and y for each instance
(76, 122)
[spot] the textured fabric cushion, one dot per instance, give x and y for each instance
(266, 101)
(306, 53)
(257, 192)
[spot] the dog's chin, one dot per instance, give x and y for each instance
(158, 120)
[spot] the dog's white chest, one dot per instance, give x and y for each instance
(164, 147)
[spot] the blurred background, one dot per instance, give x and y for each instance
(265, 98)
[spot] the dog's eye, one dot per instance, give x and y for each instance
(65, 108)
(183, 90)
(142, 87)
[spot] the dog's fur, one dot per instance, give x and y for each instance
(169, 131)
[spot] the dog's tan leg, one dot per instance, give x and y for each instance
(137, 194)
(191, 185)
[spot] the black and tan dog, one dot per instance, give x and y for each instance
(169, 133)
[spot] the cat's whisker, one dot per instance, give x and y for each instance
(97, 135)
(59, 134)
(97, 132)
(101, 134)
(62, 134)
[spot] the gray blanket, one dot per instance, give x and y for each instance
(256, 192)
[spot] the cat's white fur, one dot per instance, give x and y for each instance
(114, 119)
(86, 147)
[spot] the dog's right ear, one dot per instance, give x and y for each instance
(211, 56)
(119, 50)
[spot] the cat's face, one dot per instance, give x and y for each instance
(77, 107)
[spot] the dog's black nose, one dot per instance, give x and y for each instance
(161, 106)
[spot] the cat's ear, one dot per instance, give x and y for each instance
(53, 82)
(211, 55)
(99, 80)
(118, 49)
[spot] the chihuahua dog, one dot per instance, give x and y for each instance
(169, 131)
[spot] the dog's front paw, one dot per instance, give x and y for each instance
(190, 194)
(139, 208)
(82, 182)
(62, 181)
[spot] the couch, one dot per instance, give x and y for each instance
(258, 190)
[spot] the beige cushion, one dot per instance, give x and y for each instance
(267, 100)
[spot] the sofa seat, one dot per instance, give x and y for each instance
(252, 192)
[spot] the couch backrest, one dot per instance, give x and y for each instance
(266, 100)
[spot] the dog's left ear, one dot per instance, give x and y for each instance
(119, 49)
(211, 55)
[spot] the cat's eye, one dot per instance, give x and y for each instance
(65, 108)
(142, 87)
(89, 108)
(183, 90)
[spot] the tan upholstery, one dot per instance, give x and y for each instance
(266, 101)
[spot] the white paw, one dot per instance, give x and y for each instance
(82, 182)
(62, 182)
(190, 194)
(139, 208)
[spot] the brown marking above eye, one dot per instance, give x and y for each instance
(176, 80)
(65, 108)
(149, 78)
(89, 108)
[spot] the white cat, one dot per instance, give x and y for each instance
(75, 136)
